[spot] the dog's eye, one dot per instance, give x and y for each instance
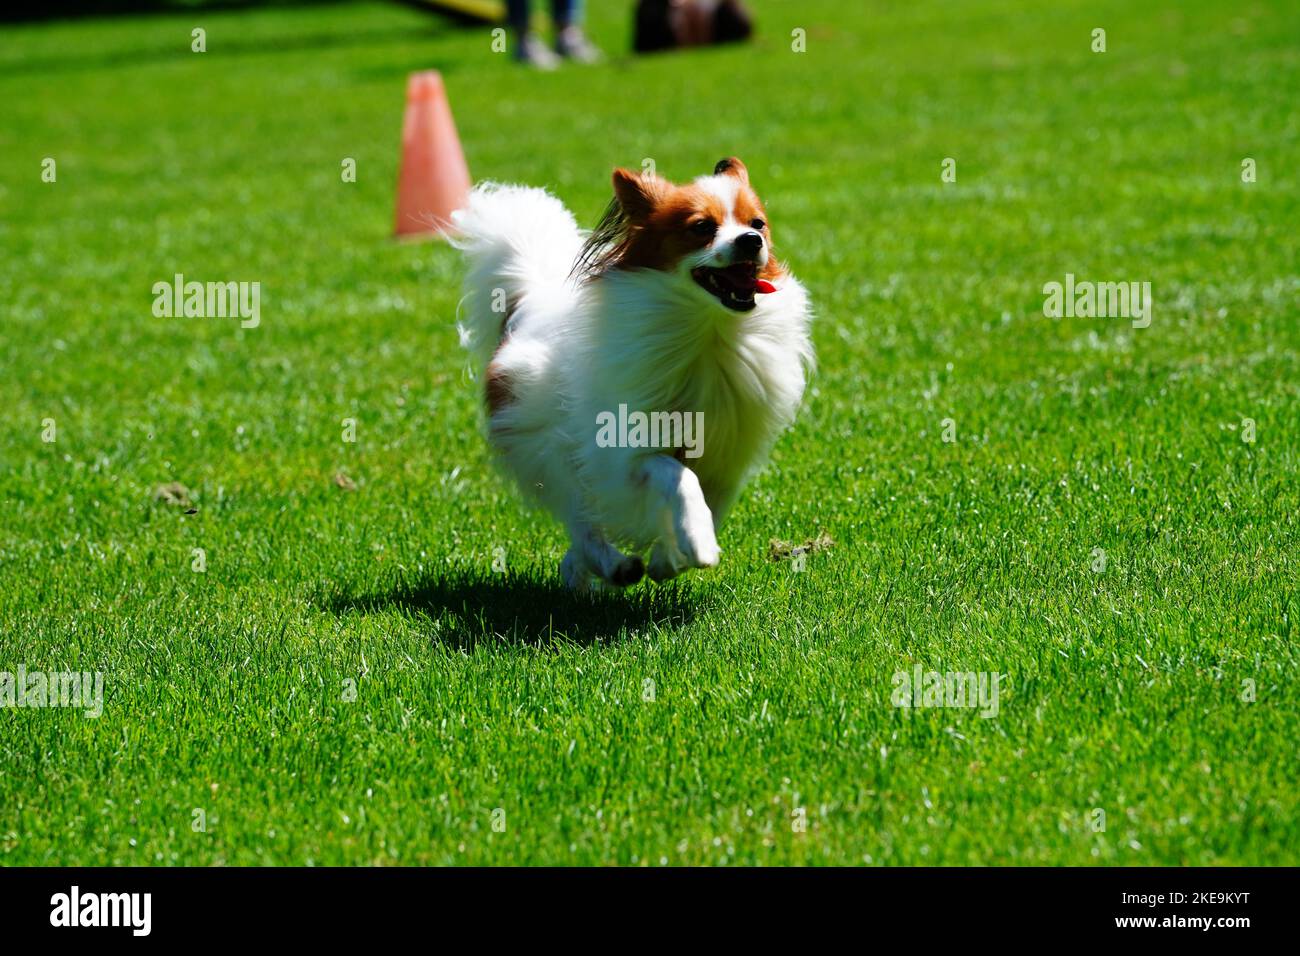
(757, 224)
(704, 227)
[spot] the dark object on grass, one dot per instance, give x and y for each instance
(778, 550)
(668, 24)
(173, 493)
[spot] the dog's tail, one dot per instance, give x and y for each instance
(521, 244)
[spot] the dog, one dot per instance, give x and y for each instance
(674, 307)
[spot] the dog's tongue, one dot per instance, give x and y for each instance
(742, 278)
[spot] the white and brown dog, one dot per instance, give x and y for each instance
(674, 307)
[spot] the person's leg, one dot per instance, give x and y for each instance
(528, 48)
(566, 13)
(570, 41)
(517, 13)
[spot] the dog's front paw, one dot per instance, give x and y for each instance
(695, 539)
(704, 552)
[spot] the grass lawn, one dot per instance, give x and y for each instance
(1097, 533)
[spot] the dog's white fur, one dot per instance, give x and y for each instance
(652, 340)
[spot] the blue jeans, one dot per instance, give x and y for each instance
(563, 12)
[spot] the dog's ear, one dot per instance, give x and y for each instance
(638, 193)
(732, 166)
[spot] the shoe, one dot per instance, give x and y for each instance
(573, 44)
(533, 52)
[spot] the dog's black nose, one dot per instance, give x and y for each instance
(749, 243)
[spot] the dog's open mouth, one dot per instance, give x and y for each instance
(735, 286)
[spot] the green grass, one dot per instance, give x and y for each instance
(474, 690)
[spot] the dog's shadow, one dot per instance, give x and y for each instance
(466, 608)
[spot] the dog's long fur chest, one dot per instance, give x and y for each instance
(655, 345)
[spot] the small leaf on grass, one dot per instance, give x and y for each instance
(778, 550)
(344, 482)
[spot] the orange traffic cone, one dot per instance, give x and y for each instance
(434, 179)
